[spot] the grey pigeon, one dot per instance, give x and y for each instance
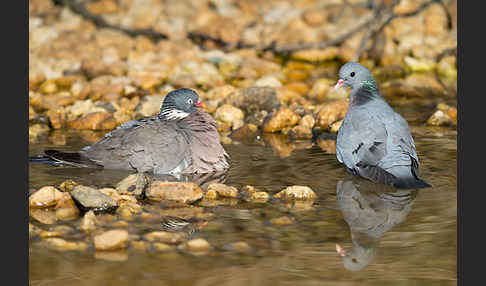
(374, 141)
(181, 139)
(370, 210)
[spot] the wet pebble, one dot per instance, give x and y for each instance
(184, 192)
(330, 113)
(88, 222)
(45, 197)
(278, 120)
(296, 193)
(60, 244)
(111, 240)
(92, 199)
(223, 190)
(165, 237)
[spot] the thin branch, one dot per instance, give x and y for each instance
(79, 8)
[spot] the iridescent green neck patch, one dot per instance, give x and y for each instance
(370, 84)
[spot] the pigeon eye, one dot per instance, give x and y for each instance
(352, 74)
(189, 101)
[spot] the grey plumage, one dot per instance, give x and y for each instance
(374, 141)
(181, 139)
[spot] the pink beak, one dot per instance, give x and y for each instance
(340, 250)
(339, 83)
(199, 104)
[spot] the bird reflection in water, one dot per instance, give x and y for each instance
(370, 210)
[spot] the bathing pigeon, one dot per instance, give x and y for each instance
(181, 139)
(374, 141)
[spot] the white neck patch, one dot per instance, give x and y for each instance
(171, 114)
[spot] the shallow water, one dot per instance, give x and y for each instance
(406, 238)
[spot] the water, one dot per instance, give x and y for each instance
(404, 238)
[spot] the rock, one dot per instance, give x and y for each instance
(94, 121)
(223, 190)
(315, 17)
(128, 209)
(211, 195)
(268, 81)
(304, 129)
(184, 192)
(316, 55)
(299, 87)
(81, 108)
(60, 244)
(88, 222)
(166, 237)
(331, 113)
(149, 105)
(45, 197)
(230, 114)
(296, 193)
(66, 208)
(285, 220)
(92, 199)
(111, 240)
(51, 101)
(58, 231)
(416, 84)
(162, 247)
(238, 247)
(32, 113)
(419, 65)
(258, 197)
(127, 186)
(440, 118)
(247, 132)
(196, 245)
(57, 118)
(254, 101)
(280, 119)
(67, 186)
(140, 245)
(48, 87)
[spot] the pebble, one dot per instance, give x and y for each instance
(92, 199)
(280, 119)
(223, 190)
(111, 240)
(296, 193)
(330, 113)
(88, 222)
(45, 197)
(183, 192)
(99, 120)
(127, 186)
(284, 220)
(165, 237)
(195, 245)
(60, 244)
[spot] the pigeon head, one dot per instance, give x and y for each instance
(179, 104)
(355, 76)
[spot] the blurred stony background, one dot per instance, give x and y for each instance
(259, 66)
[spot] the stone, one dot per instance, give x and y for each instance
(230, 114)
(334, 128)
(67, 186)
(315, 17)
(239, 247)
(88, 222)
(299, 87)
(304, 129)
(140, 245)
(114, 255)
(223, 190)
(165, 237)
(149, 105)
(36, 131)
(111, 240)
(45, 197)
(162, 247)
(127, 186)
(269, 81)
(92, 199)
(316, 55)
(440, 118)
(254, 99)
(60, 244)
(296, 193)
(419, 65)
(196, 245)
(183, 192)
(280, 119)
(57, 118)
(57, 231)
(280, 221)
(94, 121)
(66, 209)
(330, 113)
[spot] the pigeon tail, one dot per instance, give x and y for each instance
(410, 183)
(69, 158)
